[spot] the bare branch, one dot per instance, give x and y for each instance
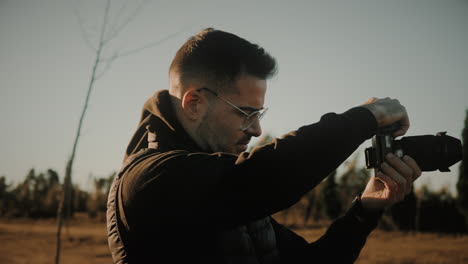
(108, 63)
(83, 33)
(117, 29)
(103, 30)
(153, 44)
(68, 172)
(117, 16)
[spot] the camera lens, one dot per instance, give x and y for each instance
(432, 152)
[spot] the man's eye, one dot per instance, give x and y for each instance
(240, 113)
(254, 114)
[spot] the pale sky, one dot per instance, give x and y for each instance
(332, 55)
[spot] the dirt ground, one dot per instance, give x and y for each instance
(84, 241)
(405, 248)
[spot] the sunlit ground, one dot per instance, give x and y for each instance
(84, 241)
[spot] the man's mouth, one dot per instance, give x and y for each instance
(244, 142)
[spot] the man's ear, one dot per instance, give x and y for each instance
(194, 104)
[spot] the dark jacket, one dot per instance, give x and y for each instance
(174, 203)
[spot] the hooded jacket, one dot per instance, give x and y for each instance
(174, 203)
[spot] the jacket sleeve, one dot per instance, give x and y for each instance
(341, 243)
(229, 190)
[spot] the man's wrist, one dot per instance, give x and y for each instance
(370, 204)
(373, 109)
(365, 215)
(364, 122)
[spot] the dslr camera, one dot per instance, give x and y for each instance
(430, 152)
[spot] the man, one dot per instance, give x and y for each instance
(189, 193)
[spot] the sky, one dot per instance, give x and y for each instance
(332, 56)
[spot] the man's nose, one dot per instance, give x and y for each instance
(255, 129)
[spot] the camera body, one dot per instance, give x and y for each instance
(430, 152)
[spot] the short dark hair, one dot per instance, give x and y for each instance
(219, 57)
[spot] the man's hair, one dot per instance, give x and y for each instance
(217, 58)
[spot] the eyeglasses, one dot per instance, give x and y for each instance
(249, 119)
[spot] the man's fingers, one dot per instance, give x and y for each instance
(406, 167)
(404, 126)
(371, 100)
(404, 121)
(388, 111)
(395, 176)
(401, 167)
(404, 170)
(389, 183)
(414, 166)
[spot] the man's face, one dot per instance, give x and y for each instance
(220, 128)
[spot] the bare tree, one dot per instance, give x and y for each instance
(462, 183)
(108, 32)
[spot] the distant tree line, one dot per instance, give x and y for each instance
(38, 196)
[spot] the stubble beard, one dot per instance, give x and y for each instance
(209, 135)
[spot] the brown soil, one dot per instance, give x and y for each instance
(84, 241)
(406, 248)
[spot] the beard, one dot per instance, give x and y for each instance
(213, 136)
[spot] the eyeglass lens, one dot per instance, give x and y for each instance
(249, 120)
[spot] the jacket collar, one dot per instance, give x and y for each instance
(159, 128)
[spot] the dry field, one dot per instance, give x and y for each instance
(397, 247)
(84, 241)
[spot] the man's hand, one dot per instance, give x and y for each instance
(392, 184)
(395, 181)
(387, 112)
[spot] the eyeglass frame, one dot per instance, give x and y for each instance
(260, 113)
